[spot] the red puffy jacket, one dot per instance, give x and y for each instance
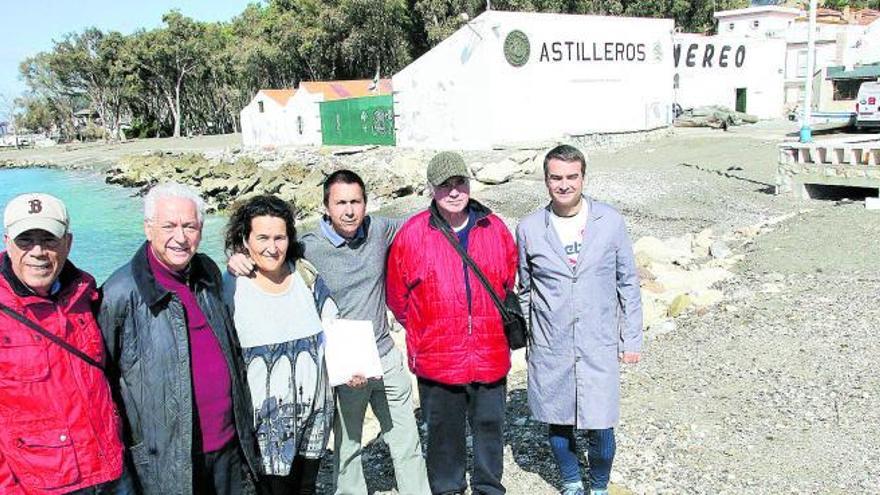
(426, 291)
(59, 428)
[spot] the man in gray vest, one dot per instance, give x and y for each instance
(349, 250)
(580, 288)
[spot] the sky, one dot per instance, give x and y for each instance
(29, 26)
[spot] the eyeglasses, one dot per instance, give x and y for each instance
(27, 242)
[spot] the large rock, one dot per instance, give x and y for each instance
(706, 298)
(719, 250)
(679, 304)
(522, 156)
(675, 250)
(498, 173)
(702, 242)
(653, 310)
(676, 279)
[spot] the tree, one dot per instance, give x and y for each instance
(36, 114)
(90, 64)
(9, 110)
(164, 58)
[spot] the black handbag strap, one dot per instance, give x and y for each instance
(49, 335)
(470, 262)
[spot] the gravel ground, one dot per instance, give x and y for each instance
(775, 390)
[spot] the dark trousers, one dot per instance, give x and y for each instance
(301, 481)
(219, 472)
(447, 409)
(123, 486)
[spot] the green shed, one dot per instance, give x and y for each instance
(354, 121)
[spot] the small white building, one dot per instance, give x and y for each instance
(264, 121)
(764, 21)
(744, 74)
(510, 77)
(868, 45)
(283, 117)
(838, 38)
(305, 112)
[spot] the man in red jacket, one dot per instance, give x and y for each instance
(454, 333)
(59, 429)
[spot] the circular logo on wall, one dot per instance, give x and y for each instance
(516, 48)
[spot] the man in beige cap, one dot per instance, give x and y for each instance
(54, 398)
(454, 332)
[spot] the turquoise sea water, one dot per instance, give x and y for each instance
(106, 220)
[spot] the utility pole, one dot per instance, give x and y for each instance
(806, 131)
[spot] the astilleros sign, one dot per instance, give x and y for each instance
(517, 50)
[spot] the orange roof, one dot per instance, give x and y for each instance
(279, 95)
(866, 16)
(338, 90)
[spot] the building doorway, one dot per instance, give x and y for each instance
(741, 100)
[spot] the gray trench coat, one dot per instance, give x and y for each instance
(581, 317)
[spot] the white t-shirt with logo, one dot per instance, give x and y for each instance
(571, 232)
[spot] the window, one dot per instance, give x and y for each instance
(260, 106)
(801, 64)
(755, 24)
(730, 27)
(846, 89)
(299, 124)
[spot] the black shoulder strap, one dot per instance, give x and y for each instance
(470, 262)
(49, 335)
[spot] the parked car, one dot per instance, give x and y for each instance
(868, 105)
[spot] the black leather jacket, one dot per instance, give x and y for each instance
(144, 327)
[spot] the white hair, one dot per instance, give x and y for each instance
(172, 190)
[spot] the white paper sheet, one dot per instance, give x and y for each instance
(351, 350)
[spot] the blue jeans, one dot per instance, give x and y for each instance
(600, 454)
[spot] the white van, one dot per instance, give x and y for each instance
(868, 105)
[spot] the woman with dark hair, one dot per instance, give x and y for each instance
(278, 314)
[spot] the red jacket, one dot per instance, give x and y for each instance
(59, 428)
(426, 290)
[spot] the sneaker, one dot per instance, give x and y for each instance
(573, 488)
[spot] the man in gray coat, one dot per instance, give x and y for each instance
(580, 288)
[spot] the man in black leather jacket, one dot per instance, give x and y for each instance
(173, 360)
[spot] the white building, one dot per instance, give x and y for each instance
(305, 111)
(745, 74)
(839, 38)
(766, 21)
(509, 77)
(280, 117)
(868, 45)
(264, 121)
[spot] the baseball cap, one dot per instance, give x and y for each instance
(444, 165)
(35, 211)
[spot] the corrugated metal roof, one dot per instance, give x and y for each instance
(338, 90)
(858, 72)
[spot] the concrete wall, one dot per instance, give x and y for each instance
(582, 74)
(711, 68)
(868, 51)
(304, 105)
(268, 128)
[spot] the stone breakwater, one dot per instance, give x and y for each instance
(230, 176)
